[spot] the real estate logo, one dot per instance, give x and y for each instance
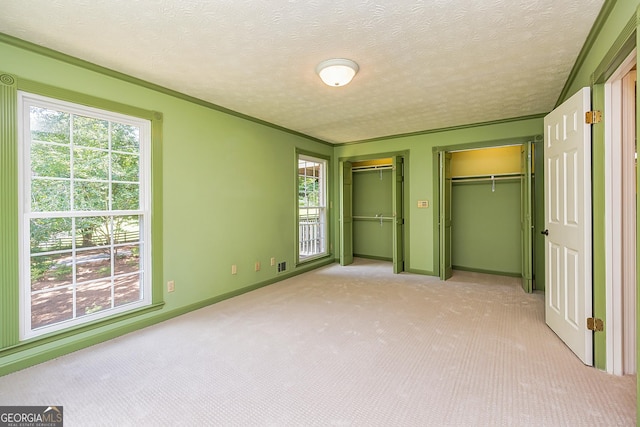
(31, 416)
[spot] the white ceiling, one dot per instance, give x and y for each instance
(424, 64)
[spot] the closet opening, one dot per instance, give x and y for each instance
(486, 211)
(372, 210)
(373, 219)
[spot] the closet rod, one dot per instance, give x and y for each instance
(497, 178)
(371, 168)
(490, 176)
(372, 218)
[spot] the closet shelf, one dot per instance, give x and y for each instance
(480, 178)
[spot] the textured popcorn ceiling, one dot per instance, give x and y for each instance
(423, 64)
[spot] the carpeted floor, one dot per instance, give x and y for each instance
(352, 345)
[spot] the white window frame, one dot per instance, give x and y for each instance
(25, 101)
(322, 208)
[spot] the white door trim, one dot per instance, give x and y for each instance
(620, 287)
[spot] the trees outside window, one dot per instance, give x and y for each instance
(85, 213)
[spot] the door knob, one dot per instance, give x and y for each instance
(545, 232)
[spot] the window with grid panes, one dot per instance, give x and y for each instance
(312, 207)
(85, 214)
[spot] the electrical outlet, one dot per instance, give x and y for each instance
(273, 261)
(257, 265)
(234, 269)
(171, 286)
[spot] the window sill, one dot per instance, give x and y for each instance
(312, 259)
(77, 330)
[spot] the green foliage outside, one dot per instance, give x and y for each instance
(308, 191)
(106, 165)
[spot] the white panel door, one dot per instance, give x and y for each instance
(567, 212)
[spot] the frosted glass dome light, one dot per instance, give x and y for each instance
(337, 72)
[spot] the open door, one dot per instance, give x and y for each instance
(567, 214)
(526, 223)
(446, 262)
(346, 214)
(398, 216)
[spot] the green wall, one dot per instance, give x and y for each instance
(421, 256)
(615, 15)
(210, 194)
(486, 227)
(372, 196)
(229, 195)
(616, 20)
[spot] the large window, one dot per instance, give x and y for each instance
(85, 214)
(312, 207)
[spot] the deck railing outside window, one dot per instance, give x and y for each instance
(310, 237)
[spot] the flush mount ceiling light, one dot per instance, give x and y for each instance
(337, 72)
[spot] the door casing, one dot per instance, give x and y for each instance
(526, 216)
(401, 239)
(446, 258)
(398, 214)
(620, 186)
(346, 213)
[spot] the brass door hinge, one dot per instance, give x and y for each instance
(593, 117)
(594, 324)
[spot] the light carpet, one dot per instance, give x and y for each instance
(353, 345)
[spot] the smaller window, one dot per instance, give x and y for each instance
(312, 207)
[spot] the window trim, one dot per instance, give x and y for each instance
(25, 101)
(9, 244)
(308, 155)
